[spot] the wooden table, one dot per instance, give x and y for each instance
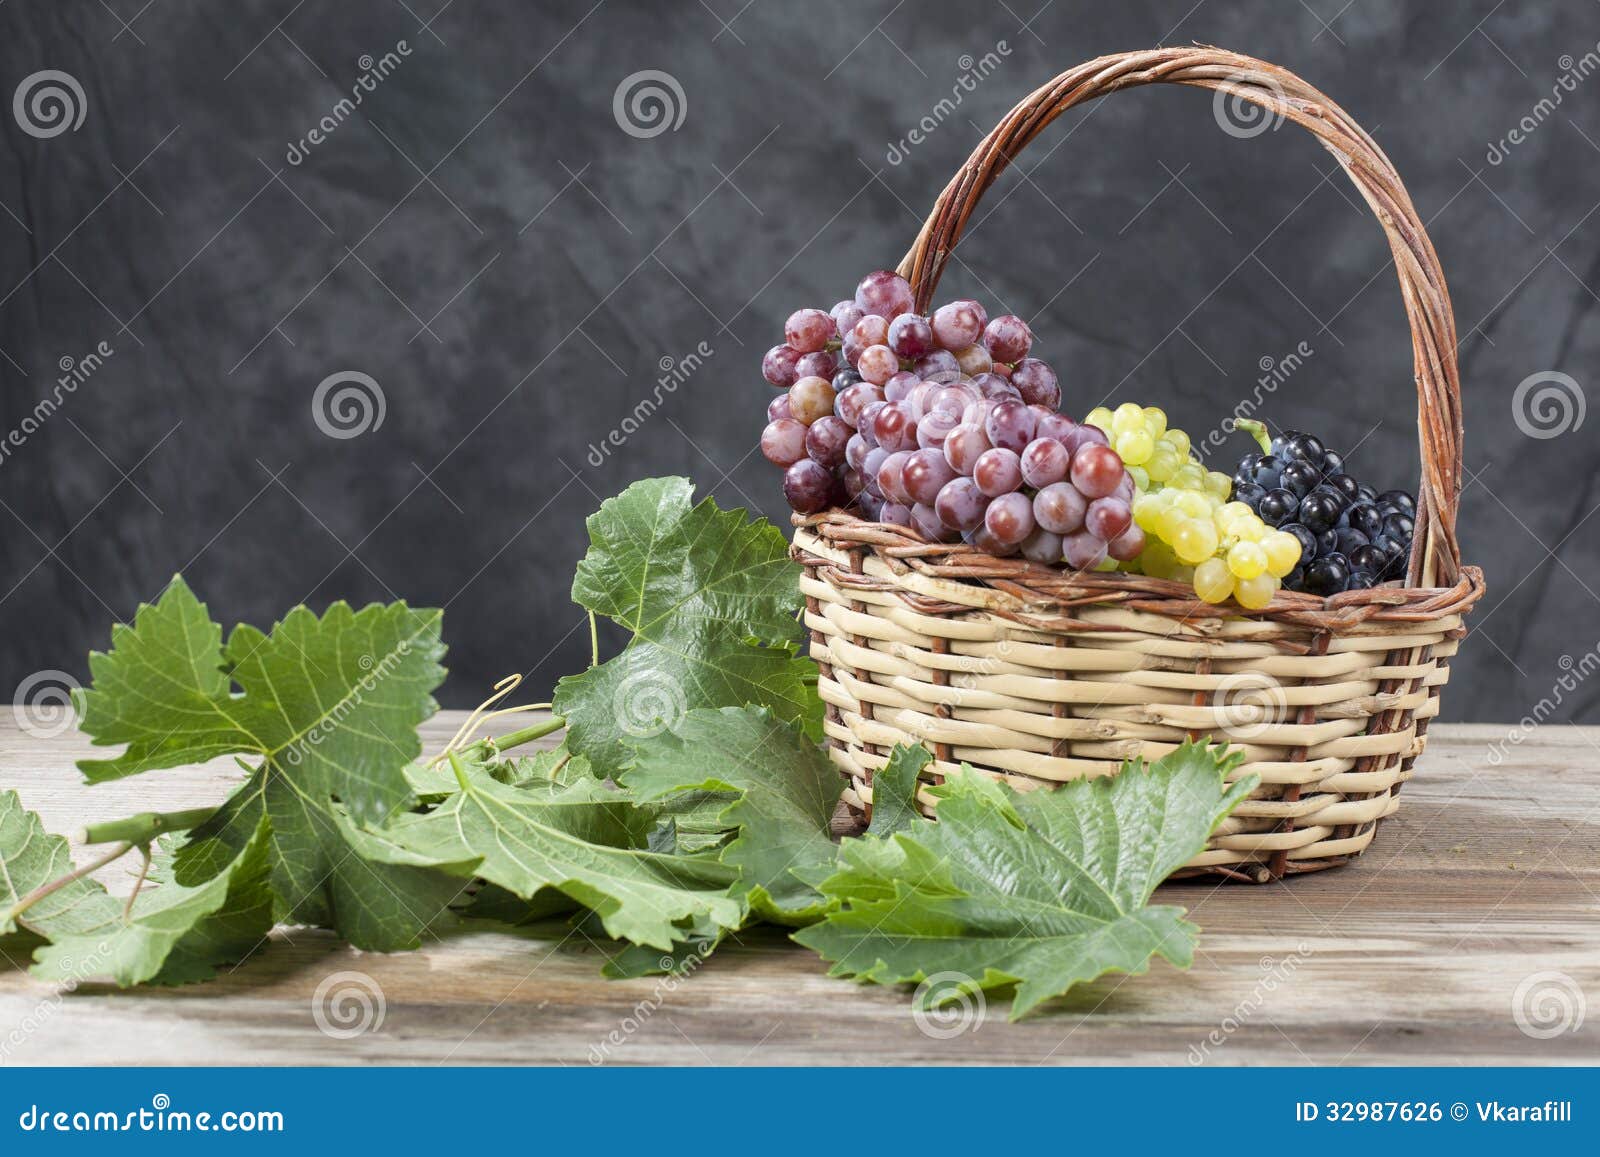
(1487, 877)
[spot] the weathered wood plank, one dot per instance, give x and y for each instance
(1488, 875)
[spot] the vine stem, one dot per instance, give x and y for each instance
(594, 641)
(144, 827)
(60, 882)
(529, 734)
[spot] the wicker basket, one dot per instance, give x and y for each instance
(1038, 675)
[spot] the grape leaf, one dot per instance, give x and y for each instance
(784, 793)
(709, 601)
(1043, 889)
(329, 707)
(894, 790)
(175, 934)
(31, 857)
(579, 837)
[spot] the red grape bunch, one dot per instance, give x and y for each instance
(943, 424)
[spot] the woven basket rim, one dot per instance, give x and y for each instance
(1051, 590)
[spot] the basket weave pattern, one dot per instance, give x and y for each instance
(1038, 675)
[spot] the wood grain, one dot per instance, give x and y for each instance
(1412, 954)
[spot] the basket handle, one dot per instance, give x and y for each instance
(1435, 556)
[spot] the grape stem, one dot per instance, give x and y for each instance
(1257, 430)
(43, 890)
(138, 830)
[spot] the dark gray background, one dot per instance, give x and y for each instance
(486, 190)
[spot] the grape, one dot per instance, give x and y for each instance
(988, 543)
(1398, 501)
(870, 465)
(1096, 471)
(935, 428)
(1107, 518)
(778, 408)
(1283, 552)
(1082, 551)
(821, 364)
(1246, 560)
(1195, 541)
(807, 486)
(973, 360)
(1037, 383)
(911, 336)
(1304, 448)
(1367, 558)
(992, 385)
(1000, 369)
(826, 439)
(855, 451)
(1255, 593)
(778, 366)
(1087, 435)
(871, 330)
(1213, 582)
(1059, 508)
(870, 506)
(917, 398)
(1318, 512)
(895, 428)
(1010, 425)
(877, 364)
(1300, 478)
(997, 472)
(924, 474)
(1008, 338)
(885, 293)
(938, 366)
(926, 523)
(891, 477)
(900, 385)
(1127, 545)
(849, 402)
(845, 378)
(867, 427)
(960, 504)
(845, 314)
(1397, 526)
(810, 399)
(895, 513)
(952, 400)
(963, 445)
(1042, 546)
(1044, 461)
(808, 330)
(1135, 447)
(852, 483)
(1054, 425)
(959, 324)
(783, 442)
(1009, 519)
